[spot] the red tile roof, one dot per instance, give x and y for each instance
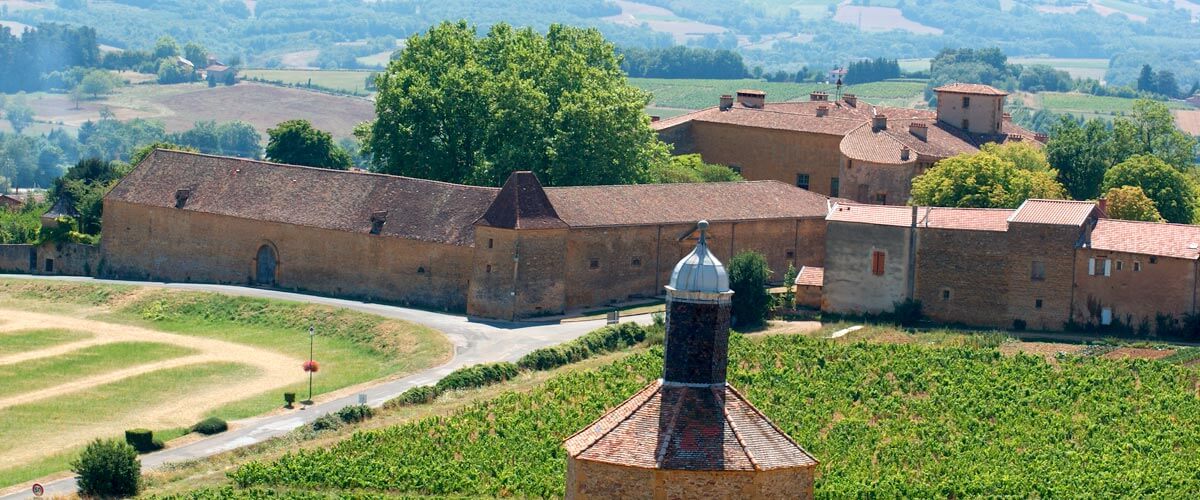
(798, 116)
(941, 141)
(811, 276)
(967, 219)
(971, 88)
(688, 428)
(9, 201)
(1148, 238)
(1056, 212)
(645, 204)
(522, 204)
(883, 215)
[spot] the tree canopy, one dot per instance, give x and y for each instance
(296, 142)
(1172, 192)
(988, 179)
(691, 168)
(459, 108)
(1131, 203)
(748, 277)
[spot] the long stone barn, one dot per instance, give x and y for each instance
(519, 251)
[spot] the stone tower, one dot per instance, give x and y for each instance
(689, 434)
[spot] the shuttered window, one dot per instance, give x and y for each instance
(877, 261)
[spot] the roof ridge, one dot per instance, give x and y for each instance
(766, 419)
(1150, 223)
(733, 427)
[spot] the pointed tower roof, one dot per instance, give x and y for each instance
(700, 271)
(522, 204)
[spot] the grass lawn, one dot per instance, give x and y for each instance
(48, 372)
(29, 340)
(349, 81)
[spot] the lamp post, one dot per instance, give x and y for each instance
(312, 332)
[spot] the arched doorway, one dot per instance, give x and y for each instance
(265, 266)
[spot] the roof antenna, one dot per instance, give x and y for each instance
(838, 95)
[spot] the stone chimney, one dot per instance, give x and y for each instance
(919, 130)
(822, 110)
(1102, 204)
(1042, 138)
(698, 312)
(818, 96)
(879, 122)
(905, 153)
(726, 102)
(654, 118)
(752, 98)
(851, 100)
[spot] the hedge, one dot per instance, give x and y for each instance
(143, 440)
(604, 340)
(477, 376)
(355, 413)
(414, 396)
(210, 426)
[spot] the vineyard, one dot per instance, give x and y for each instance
(699, 93)
(886, 420)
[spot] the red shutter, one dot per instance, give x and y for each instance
(877, 263)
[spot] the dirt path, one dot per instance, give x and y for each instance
(273, 371)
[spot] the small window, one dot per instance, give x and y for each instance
(49, 265)
(791, 254)
(966, 124)
(490, 243)
(877, 263)
(636, 262)
(945, 294)
(489, 268)
(881, 198)
(376, 226)
(966, 102)
(1037, 304)
(1099, 266)
(834, 187)
(1038, 271)
(421, 270)
(1154, 260)
(1120, 265)
(594, 264)
(736, 169)
(1137, 266)
(802, 181)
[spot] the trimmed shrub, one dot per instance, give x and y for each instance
(327, 422)
(355, 413)
(288, 399)
(108, 468)
(210, 426)
(142, 440)
(477, 376)
(415, 396)
(605, 340)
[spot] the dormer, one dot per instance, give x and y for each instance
(378, 219)
(181, 197)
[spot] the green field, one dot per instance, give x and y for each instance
(348, 81)
(701, 93)
(1072, 102)
(1078, 68)
(48, 372)
(18, 342)
(908, 420)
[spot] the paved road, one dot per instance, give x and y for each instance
(474, 342)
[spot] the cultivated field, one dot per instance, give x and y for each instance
(661, 19)
(1188, 120)
(1086, 104)
(880, 19)
(79, 362)
(348, 81)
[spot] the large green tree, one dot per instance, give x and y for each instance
(18, 113)
(1151, 129)
(748, 277)
(459, 108)
(298, 143)
(983, 180)
(1081, 154)
(1131, 203)
(1173, 193)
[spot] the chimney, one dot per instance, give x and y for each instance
(181, 197)
(1102, 204)
(879, 122)
(726, 102)
(698, 318)
(752, 98)
(905, 153)
(822, 110)
(1016, 137)
(654, 118)
(1042, 138)
(920, 130)
(851, 100)
(818, 96)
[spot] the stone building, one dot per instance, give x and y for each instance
(845, 147)
(689, 434)
(515, 252)
(1047, 265)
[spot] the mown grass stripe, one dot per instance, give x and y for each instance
(44, 373)
(29, 340)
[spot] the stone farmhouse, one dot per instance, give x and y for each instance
(515, 252)
(843, 147)
(1047, 265)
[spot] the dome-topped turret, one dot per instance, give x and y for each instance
(700, 271)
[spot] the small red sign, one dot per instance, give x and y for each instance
(38, 490)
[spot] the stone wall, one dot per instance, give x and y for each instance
(67, 259)
(1166, 286)
(768, 154)
(16, 258)
(962, 276)
(850, 284)
(517, 274)
(596, 480)
(679, 138)
(984, 114)
(153, 243)
(864, 182)
(1054, 247)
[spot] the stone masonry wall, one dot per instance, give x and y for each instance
(178, 245)
(893, 181)
(1167, 286)
(595, 480)
(850, 284)
(765, 154)
(972, 267)
(15, 258)
(1054, 247)
(70, 259)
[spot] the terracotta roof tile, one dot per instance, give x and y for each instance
(688, 428)
(883, 215)
(590, 206)
(522, 204)
(329, 199)
(799, 116)
(811, 276)
(970, 88)
(967, 219)
(941, 141)
(1056, 212)
(1148, 238)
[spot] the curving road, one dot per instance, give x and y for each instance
(474, 342)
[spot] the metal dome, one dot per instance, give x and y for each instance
(700, 271)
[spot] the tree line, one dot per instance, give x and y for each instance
(26, 57)
(871, 70)
(682, 62)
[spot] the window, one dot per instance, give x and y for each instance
(966, 124)
(1137, 266)
(945, 294)
(802, 181)
(49, 265)
(489, 268)
(877, 262)
(1120, 265)
(881, 198)
(966, 102)
(1154, 260)
(421, 270)
(1037, 304)
(1099, 266)
(1038, 271)
(636, 262)
(834, 187)
(791, 254)
(490, 243)
(594, 264)
(376, 226)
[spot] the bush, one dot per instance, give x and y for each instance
(748, 274)
(477, 376)
(604, 340)
(327, 422)
(210, 426)
(288, 399)
(415, 396)
(108, 468)
(142, 440)
(906, 312)
(355, 413)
